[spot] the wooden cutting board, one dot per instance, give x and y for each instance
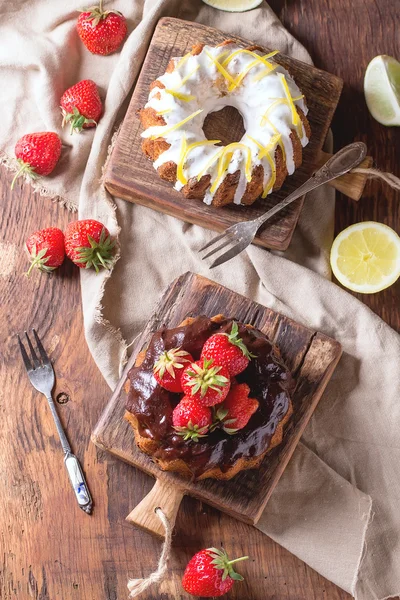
(311, 357)
(131, 175)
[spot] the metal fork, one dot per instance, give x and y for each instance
(242, 234)
(41, 375)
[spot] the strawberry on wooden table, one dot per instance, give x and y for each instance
(205, 381)
(102, 31)
(237, 409)
(191, 420)
(89, 244)
(37, 154)
(210, 573)
(81, 105)
(228, 349)
(169, 366)
(46, 249)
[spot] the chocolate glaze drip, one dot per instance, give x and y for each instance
(266, 375)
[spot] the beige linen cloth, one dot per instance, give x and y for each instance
(337, 505)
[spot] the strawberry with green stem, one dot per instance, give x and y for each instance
(81, 105)
(46, 249)
(205, 381)
(229, 350)
(89, 244)
(191, 420)
(102, 31)
(210, 573)
(37, 154)
(236, 410)
(169, 366)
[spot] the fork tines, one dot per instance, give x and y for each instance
(226, 238)
(33, 364)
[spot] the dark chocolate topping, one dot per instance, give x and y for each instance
(269, 380)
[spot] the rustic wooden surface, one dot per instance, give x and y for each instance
(310, 355)
(131, 175)
(49, 550)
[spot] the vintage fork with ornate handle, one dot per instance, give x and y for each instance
(242, 234)
(41, 375)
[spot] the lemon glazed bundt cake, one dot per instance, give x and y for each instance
(204, 81)
(209, 398)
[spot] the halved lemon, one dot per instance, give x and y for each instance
(234, 5)
(382, 89)
(365, 257)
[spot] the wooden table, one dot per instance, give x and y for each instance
(48, 548)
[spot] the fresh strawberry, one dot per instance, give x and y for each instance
(169, 367)
(191, 420)
(102, 31)
(235, 412)
(228, 349)
(206, 383)
(89, 244)
(210, 573)
(46, 249)
(81, 105)
(37, 154)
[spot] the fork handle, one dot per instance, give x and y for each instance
(340, 163)
(61, 433)
(74, 469)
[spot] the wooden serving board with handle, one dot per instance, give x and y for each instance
(311, 357)
(130, 175)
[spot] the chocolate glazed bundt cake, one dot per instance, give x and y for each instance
(209, 398)
(204, 81)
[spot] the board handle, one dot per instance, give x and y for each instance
(164, 495)
(351, 184)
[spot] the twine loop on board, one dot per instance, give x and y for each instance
(389, 178)
(137, 586)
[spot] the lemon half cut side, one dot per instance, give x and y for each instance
(233, 5)
(365, 257)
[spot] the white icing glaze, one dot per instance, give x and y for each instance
(205, 89)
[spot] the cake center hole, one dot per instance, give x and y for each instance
(225, 125)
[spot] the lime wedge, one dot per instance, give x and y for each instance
(382, 89)
(233, 5)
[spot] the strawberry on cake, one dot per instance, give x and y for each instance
(209, 398)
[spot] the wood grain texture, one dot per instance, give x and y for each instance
(342, 36)
(131, 175)
(310, 356)
(49, 549)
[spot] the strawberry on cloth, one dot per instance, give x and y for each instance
(210, 573)
(46, 249)
(89, 244)
(191, 420)
(37, 154)
(81, 105)
(102, 31)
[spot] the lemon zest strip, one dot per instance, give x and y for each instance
(184, 153)
(271, 182)
(164, 112)
(176, 126)
(180, 96)
(223, 164)
(179, 172)
(259, 58)
(295, 115)
(209, 163)
(183, 60)
(220, 68)
(275, 103)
